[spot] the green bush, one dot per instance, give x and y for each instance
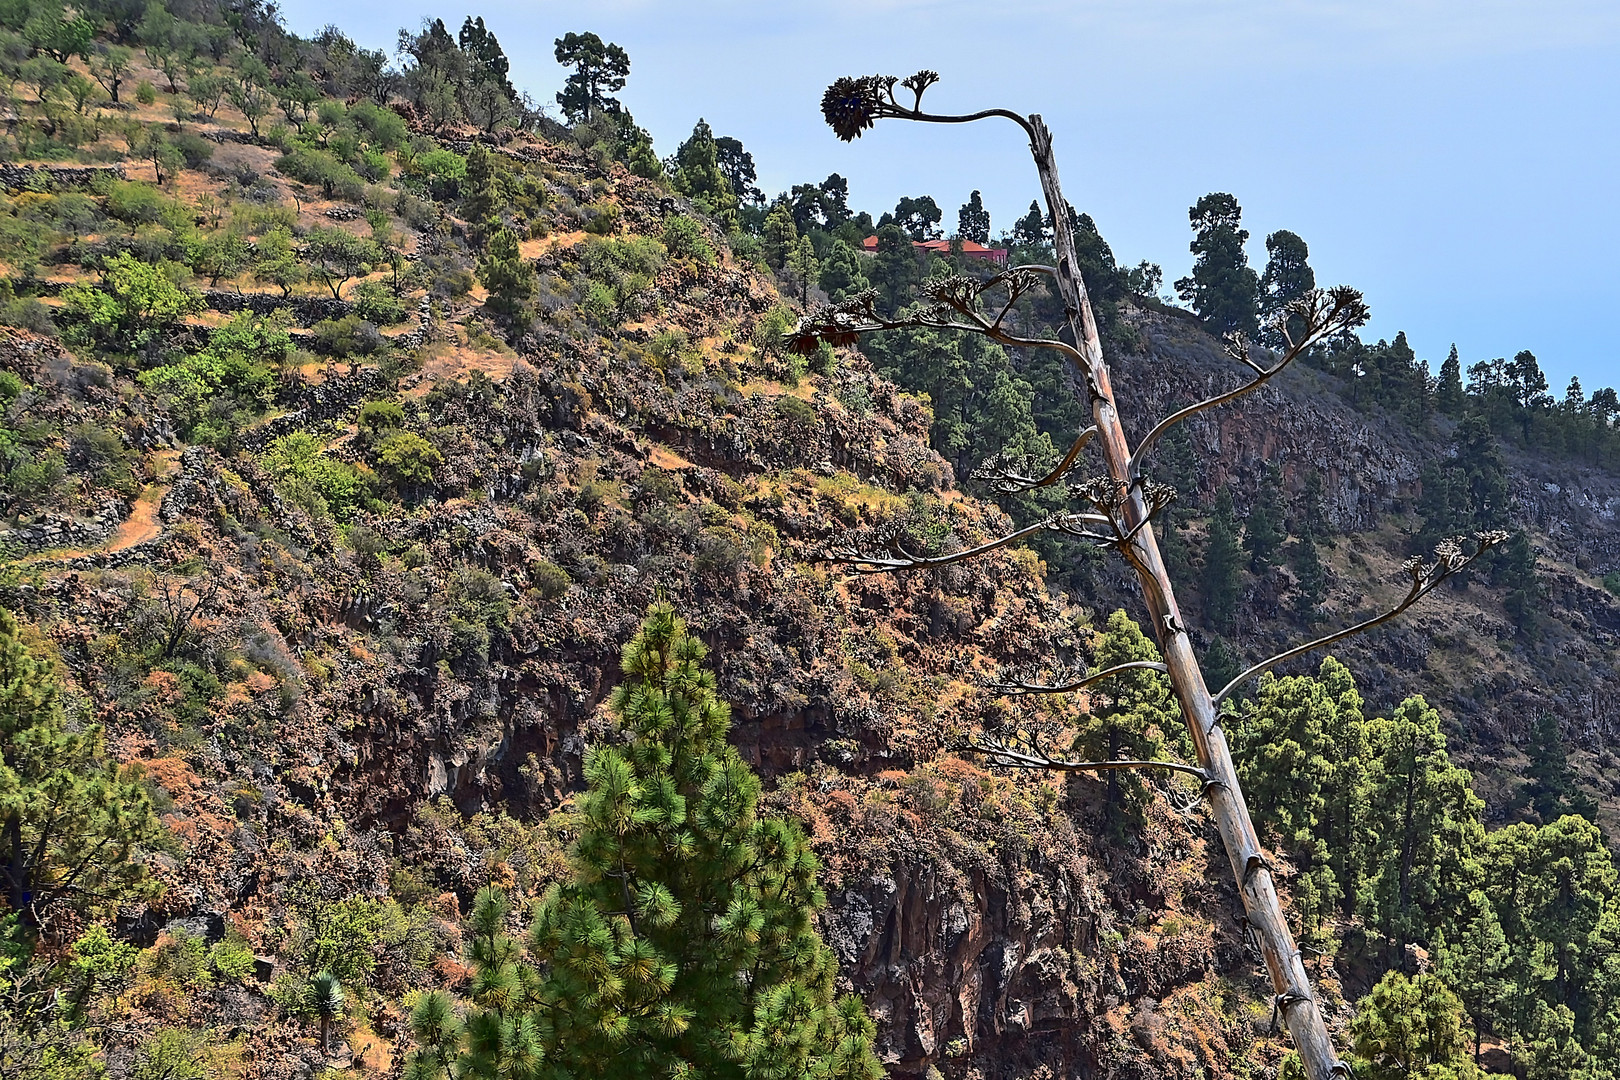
(408, 459)
(137, 301)
(378, 418)
(796, 411)
(232, 958)
(315, 480)
(549, 580)
(212, 392)
(377, 303)
(383, 128)
(136, 203)
(685, 240)
(195, 149)
(444, 170)
(347, 337)
(601, 218)
(324, 170)
(146, 93)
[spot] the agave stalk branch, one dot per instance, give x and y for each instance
(1325, 313)
(1078, 684)
(1424, 579)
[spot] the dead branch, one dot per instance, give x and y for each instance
(1449, 559)
(1326, 312)
(1008, 477)
(1080, 682)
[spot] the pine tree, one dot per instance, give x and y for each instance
(1133, 722)
(1421, 857)
(1474, 960)
(685, 943)
(1223, 289)
(973, 220)
(72, 823)
(508, 277)
(1302, 745)
(1287, 277)
(696, 173)
(1449, 396)
(1263, 533)
(1310, 576)
(1223, 564)
(1410, 1028)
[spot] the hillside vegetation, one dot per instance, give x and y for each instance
(356, 416)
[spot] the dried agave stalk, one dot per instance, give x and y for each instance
(1122, 506)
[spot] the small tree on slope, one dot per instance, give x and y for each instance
(685, 945)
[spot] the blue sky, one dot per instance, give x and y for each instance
(1457, 161)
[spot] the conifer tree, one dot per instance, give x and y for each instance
(973, 220)
(72, 823)
(1263, 533)
(685, 944)
(509, 279)
(1302, 746)
(1133, 722)
(1474, 960)
(1222, 564)
(1287, 277)
(1422, 856)
(1310, 576)
(1412, 1028)
(1222, 288)
(600, 69)
(1449, 396)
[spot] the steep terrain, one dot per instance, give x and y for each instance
(319, 703)
(354, 605)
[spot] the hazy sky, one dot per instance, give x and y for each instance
(1457, 160)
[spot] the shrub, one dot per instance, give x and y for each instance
(232, 958)
(379, 418)
(408, 459)
(384, 128)
(135, 203)
(347, 337)
(213, 391)
(685, 240)
(601, 218)
(796, 411)
(315, 480)
(444, 170)
(138, 301)
(195, 149)
(146, 93)
(549, 580)
(323, 169)
(376, 302)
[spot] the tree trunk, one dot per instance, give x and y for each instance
(1283, 961)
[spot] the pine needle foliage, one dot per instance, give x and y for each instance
(685, 945)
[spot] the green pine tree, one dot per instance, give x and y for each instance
(1263, 533)
(1132, 723)
(685, 945)
(1310, 576)
(1223, 565)
(1411, 1029)
(1223, 288)
(1302, 746)
(73, 824)
(1449, 396)
(508, 277)
(1421, 858)
(1474, 960)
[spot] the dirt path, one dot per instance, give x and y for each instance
(142, 524)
